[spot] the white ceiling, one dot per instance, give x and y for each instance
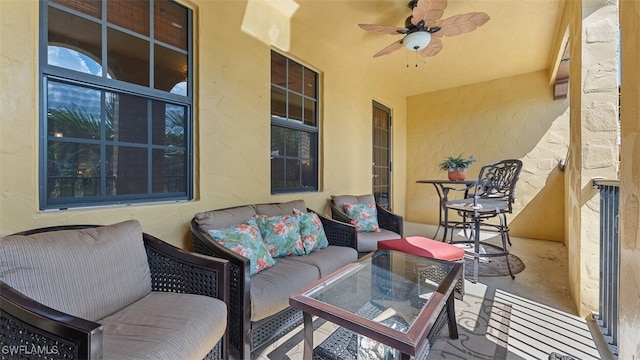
(519, 38)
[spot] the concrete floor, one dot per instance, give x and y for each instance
(542, 320)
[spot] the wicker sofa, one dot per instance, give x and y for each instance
(259, 310)
(113, 292)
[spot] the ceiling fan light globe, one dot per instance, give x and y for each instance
(417, 41)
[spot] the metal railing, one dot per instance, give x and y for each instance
(607, 318)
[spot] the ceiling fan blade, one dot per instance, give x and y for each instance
(389, 49)
(432, 49)
(460, 24)
(429, 11)
(383, 29)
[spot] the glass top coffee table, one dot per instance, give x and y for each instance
(388, 301)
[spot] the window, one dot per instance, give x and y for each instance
(116, 123)
(294, 126)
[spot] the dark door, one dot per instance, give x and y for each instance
(382, 155)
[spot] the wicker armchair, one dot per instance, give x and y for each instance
(391, 225)
(32, 330)
(244, 334)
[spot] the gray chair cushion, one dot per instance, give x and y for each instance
(280, 208)
(165, 326)
(340, 200)
(271, 288)
(88, 273)
(220, 219)
(329, 259)
(368, 241)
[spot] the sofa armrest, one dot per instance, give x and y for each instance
(390, 221)
(176, 270)
(339, 233)
(239, 286)
(29, 327)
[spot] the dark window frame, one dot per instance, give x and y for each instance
(51, 74)
(307, 179)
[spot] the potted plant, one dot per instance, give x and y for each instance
(455, 166)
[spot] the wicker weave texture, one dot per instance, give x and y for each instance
(343, 343)
(28, 342)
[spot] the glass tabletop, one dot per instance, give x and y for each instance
(388, 287)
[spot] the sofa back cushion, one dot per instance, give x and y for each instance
(341, 200)
(277, 209)
(224, 218)
(89, 273)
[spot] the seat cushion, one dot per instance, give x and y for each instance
(423, 246)
(224, 218)
(271, 288)
(89, 273)
(329, 259)
(165, 326)
(368, 241)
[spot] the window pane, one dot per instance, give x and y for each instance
(170, 23)
(129, 117)
(128, 166)
(309, 112)
(309, 174)
(278, 102)
(292, 143)
(128, 57)
(169, 170)
(170, 68)
(278, 136)
(74, 43)
(278, 69)
(292, 173)
(73, 169)
(88, 7)
(130, 14)
(277, 173)
(295, 107)
(169, 124)
(309, 83)
(295, 77)
(73, 111)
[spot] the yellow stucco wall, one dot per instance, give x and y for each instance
(232, 117)
(513, 117)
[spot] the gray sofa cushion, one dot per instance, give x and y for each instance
(165, 326)
(329, 259)
(220, 219)
(368, 241)
(88, 273)
(278, 209)
(271, 288)
(340, 200)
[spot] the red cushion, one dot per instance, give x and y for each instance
(422, 246)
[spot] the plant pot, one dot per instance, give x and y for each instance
(456, 175)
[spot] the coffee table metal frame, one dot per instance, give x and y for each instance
(410, 343)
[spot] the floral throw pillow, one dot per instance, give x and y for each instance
(281, 234)
(245, 240)
(311, 231)
(363, 216)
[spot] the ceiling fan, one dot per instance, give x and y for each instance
(424, 28)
